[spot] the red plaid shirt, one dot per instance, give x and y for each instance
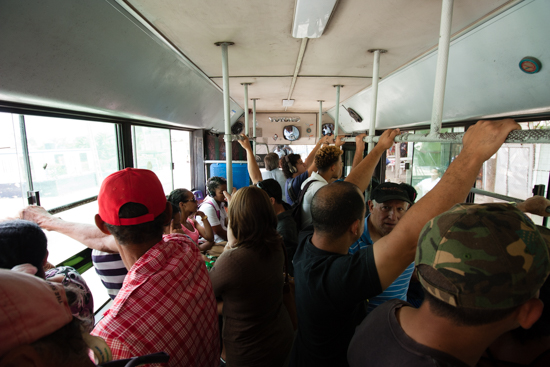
(166, 304)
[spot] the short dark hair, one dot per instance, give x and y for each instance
(178, 195)
(271, 161)
(64, 347)
(326, 157)
(22, 242)
(139, 233)
(462, 316)
(293, 160)
(214, 182)
(335, 207)
(272, 189)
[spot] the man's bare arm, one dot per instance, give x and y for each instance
(359, 150)
(394, 252)
(87, 234)
(309, 162)
(362, 174)
(253, 169)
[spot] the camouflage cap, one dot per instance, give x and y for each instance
(488, 256)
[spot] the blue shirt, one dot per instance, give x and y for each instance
(398, 289)
(296, 184)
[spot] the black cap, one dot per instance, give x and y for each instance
(391, 191)
(272, 188)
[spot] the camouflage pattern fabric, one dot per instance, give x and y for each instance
(488, 256)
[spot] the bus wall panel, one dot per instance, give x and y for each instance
(483, 78)
(92, 56)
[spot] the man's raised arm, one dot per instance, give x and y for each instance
(253, 169)
(309, 162)
(394, 252)
(87, 234)
(362, 174)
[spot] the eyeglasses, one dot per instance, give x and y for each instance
(193, 200)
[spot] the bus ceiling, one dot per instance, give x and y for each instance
(157, 61)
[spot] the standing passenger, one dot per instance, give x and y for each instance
(271, 161)
(390, 201)
(332, 286)
(248, 277)
(481, 267)
(297, 171)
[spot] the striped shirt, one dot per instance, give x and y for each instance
(111, 271)
(398, 289)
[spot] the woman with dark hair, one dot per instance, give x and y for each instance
(248, 277)
(297, 171)
(214, 207)
(187, 206)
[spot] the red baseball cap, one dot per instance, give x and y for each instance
(131, 185)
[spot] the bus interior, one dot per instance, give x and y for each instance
(91, 87)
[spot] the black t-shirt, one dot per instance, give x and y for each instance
(286, 226)
(331, 294)
(380, 341)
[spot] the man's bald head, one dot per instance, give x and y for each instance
(336, 207)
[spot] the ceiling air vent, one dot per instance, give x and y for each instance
(354, 115)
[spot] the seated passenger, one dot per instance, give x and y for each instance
(271, 161)
(390, 201)
(523, 347)
(296, 171)
(248, 277)
(23, 242)
(187, 205)
(36, 325)
(481, 267)
(332, 286)
(214, 206)
(166, 303)
(105, 257)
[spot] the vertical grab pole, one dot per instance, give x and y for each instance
(441, 70)
(320, 127)
(254, 124)
(226, 115)
(375, 77)
(337, 112)
(246, 127)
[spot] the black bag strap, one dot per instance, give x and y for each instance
(303, 192)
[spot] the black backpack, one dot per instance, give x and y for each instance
(297, 206)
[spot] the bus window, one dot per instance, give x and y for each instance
(430, 161)
(12, 179)
(515, 169)
(152, 152)
(69, 158)
(181, 157)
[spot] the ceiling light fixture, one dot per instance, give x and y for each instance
(311, 17)
(288, 102)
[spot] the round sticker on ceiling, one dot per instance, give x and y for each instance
(530, 65)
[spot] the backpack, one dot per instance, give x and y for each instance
(297, 206)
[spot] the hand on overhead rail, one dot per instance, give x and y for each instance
(387, 138)
(538, 205)
(339, 142)
(359, 142)
(244, 141)
(483, 139)
(324, 140)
